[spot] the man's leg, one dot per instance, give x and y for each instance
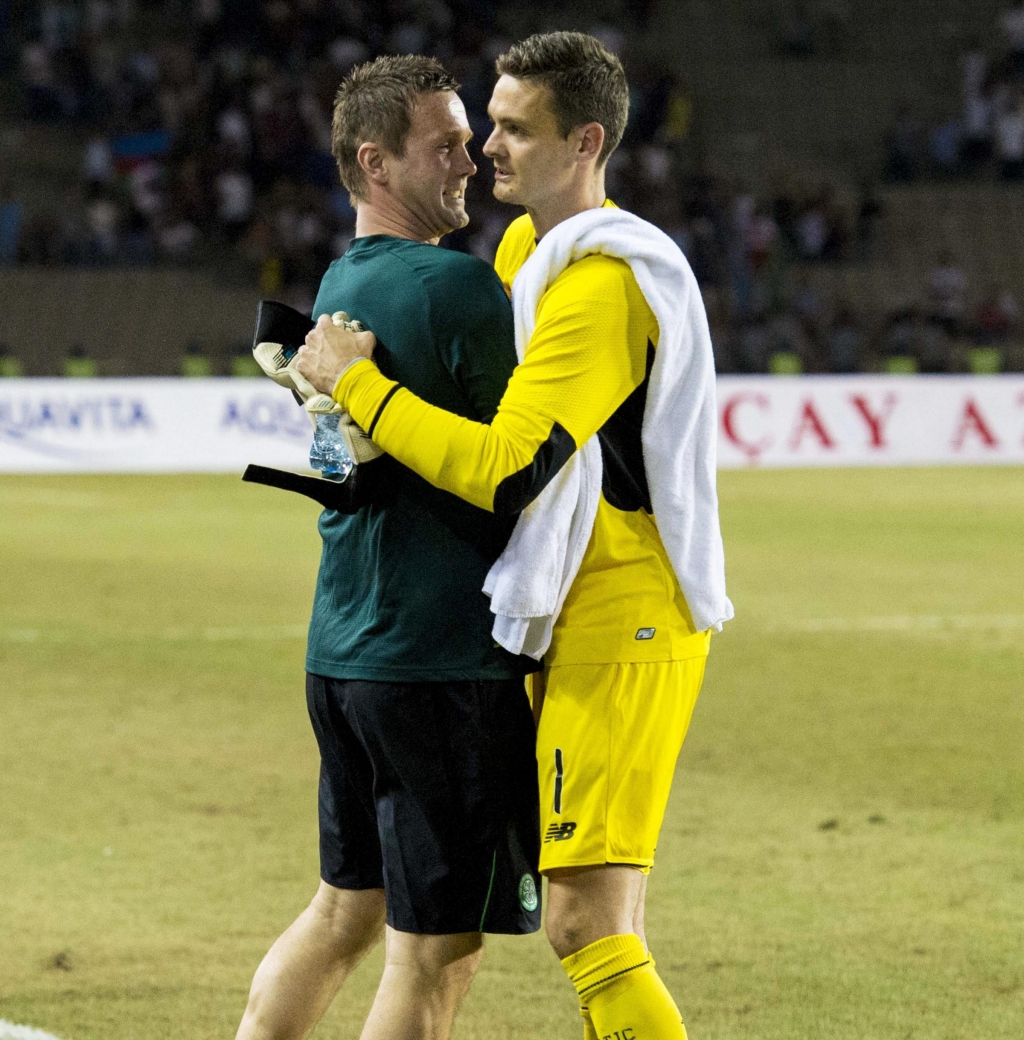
(639, 911)
(425, 980)
(591, 921)
(607, 746)
(303, 971)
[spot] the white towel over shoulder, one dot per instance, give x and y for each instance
(529, 581)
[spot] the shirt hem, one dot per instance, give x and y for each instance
(641, 863)
(341, 671)
(684, 649)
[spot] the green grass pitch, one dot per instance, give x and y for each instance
(842, 856)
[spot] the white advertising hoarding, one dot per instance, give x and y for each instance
(149, 426)
(220, 425)
(869, 420)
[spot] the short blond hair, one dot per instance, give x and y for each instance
(375, 103)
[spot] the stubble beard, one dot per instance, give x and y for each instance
(459, 218)
(504, 193)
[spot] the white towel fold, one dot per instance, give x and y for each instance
(530, 580)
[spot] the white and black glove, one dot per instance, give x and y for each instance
(275, 359)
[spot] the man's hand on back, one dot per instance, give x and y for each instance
(329, 349)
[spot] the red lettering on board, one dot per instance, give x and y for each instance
(752, 449)
(972, 421)
(876, 422)
(810, 422)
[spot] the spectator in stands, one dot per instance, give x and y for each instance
(833, 20)
(974, 66)
(838, 221)
(869, 214)
(97, 162)
(945, 143)
(784, 207)
(898, 340)
(6, 33)
(1010, 139)
(177, 238)
(79, 365)
(752, 345)
(796, 31)
(234, 201)
(996, 317)
(10, 366)
(243, 364)
(809, 308)
(137, 247)
(38, 81)
(947, 292)
(762, 237)
(932, 347)
(979, 116)
(194, 363)
(103, 226)
(12, 221)
(814, 235)
(844, 342)
(792, 351)
(903, 148)
(913, 341)
(1011, 22)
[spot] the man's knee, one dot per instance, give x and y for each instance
(567, 930)
(446, 963)
(303, 969)
(588, 903)
(462, 971)
(352, 920)
(343, 925)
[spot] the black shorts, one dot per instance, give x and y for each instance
(429, 790)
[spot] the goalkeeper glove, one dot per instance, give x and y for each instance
(280, 331)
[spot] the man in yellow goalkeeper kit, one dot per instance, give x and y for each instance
(626, 660)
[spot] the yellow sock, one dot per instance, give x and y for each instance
(618, 985)
(589, 1032)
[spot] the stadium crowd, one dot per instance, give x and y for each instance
(207, 140)
(986, 136)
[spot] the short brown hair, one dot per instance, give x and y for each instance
(375, 103)
(587, 82)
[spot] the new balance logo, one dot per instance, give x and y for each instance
(559, 832)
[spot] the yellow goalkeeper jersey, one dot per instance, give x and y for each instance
(585, 371)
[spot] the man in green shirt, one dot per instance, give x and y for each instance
(428, 787)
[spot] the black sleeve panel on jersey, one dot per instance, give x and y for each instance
(624, 481)
(518, 490)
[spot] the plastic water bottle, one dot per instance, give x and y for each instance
(329, 454)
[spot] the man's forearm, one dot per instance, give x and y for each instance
(470, 459)
(363, 397)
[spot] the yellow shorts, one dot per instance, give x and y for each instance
(607, 745)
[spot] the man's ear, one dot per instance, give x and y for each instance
(589, 141)
(373, 162)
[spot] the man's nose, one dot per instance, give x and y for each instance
(490, 148)
(468, 167)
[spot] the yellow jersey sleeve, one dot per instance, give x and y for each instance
(587, 354)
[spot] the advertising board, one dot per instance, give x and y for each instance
(220, 425)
